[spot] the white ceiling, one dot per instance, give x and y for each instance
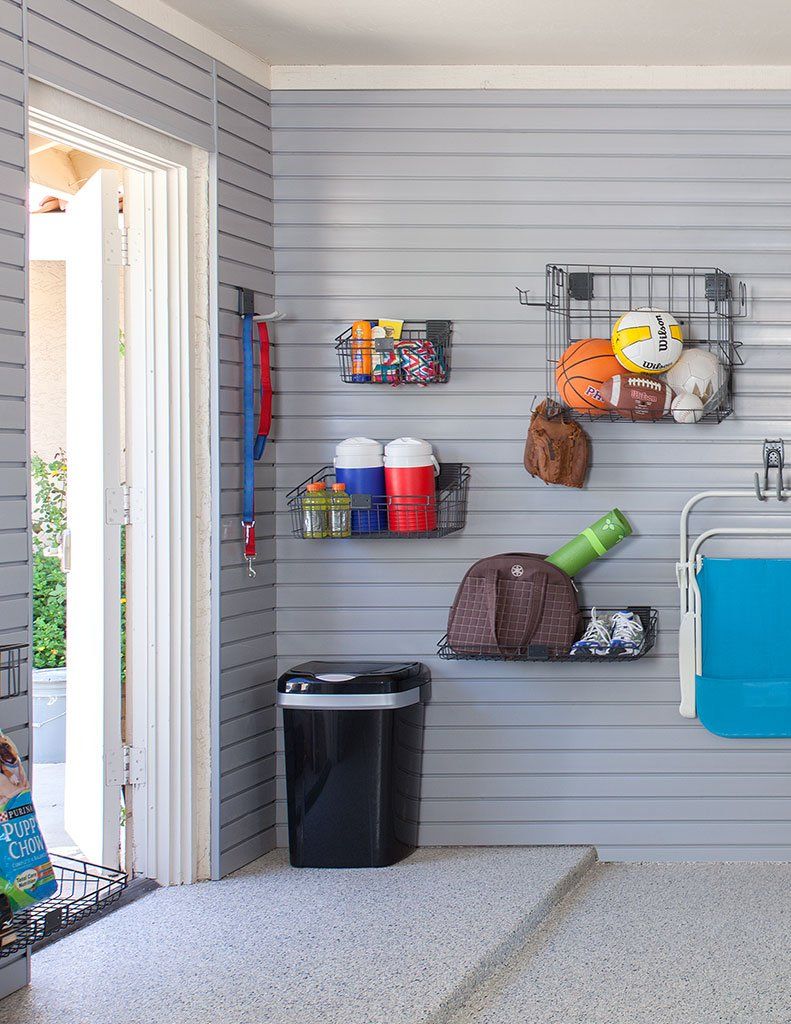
(492, 32)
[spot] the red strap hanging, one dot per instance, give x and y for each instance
(265, 415)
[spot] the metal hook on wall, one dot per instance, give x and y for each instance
(773, 458)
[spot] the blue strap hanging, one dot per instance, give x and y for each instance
(248, 455)
(253, 440)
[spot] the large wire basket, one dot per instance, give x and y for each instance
(539, 652)
(11, 670)
(84, 889)
(584, 301)
(420, 356)
(403, 517)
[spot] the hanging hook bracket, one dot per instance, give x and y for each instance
(773, 459)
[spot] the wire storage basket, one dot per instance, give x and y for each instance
(402, 517)
(11, 670)
(421, 355)
(539, 652)
(584, 301)
(84, 889)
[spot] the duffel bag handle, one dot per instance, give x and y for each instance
(538, 593)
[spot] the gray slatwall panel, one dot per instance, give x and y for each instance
(110, 57)
(97, 51)
(247, 654)
(436, 204)
(14, 539)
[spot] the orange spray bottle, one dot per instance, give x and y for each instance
(361, 351)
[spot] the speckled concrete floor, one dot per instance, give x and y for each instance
(273, 945)
(653, 944)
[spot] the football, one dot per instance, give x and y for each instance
(640, 398)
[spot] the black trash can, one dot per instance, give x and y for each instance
(353, 734)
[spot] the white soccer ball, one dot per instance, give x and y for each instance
(687, 408)
(698, 372)
(647, 340)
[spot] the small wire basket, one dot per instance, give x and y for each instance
(540, 652)
(385, 517)
(84, 889)
(11, 670)
(420, 356)
(584, 301)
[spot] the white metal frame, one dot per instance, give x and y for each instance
(690, 653)
(159, 464)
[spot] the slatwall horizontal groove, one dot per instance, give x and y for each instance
(260, 801)
(52, 66)
(83, 22)
(238, 126)
(135, 28)
(248, 849)
(256, 797)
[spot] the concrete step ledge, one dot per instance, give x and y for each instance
(492, 960)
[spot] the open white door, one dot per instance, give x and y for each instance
(92, 549)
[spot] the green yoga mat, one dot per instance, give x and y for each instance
(594, 541)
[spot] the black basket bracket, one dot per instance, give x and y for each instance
(581, 285)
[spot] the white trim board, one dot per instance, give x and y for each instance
(202, 38)
(383, 77)
(172, 375)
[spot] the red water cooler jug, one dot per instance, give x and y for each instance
(410, 472)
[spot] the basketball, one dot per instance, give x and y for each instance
(581, 371)
(647, 340)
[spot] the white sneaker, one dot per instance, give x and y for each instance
(595, 640)
(627, 633)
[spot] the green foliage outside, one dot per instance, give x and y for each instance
(49, 580)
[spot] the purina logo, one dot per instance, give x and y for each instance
(517, 570)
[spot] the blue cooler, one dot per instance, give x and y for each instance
(359, 463)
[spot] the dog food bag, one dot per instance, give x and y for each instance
(26, 874)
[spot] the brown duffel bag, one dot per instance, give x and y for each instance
(507, 604)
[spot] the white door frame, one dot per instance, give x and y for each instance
(164, 303)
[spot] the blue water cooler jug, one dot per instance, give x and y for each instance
(359, 463)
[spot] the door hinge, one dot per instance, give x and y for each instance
(125, 767)
(117, 249)
(123, 505)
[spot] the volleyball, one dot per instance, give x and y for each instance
(647, 340)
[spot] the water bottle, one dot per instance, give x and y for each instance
(340, 524)
(314, 511)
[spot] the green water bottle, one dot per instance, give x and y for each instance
(594, 541)
(314, 511)
(340, 512)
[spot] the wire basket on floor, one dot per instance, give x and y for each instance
(540, 652)
(402, 517)
(420, 356)
(11, 670)
(584, 301)
(84, 889)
